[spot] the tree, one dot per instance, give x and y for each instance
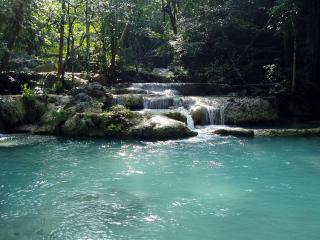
(14, 17)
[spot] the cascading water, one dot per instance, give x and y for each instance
(214, 107)
(167, 89)
(186, 113)
(222, 118)
(158, 102)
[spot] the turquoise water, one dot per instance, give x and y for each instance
(210, 188)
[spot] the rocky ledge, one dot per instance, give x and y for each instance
(242, 132)
(87, 112)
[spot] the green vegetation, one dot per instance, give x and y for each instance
(28, 93)
(219, 41)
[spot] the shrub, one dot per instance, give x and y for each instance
(27, 93)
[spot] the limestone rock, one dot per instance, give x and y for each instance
(160, 127)
(250, 110)
(236, 132)
(288, 132)
(200, 115)
(176, 116)
(131, 101)
(12, 110)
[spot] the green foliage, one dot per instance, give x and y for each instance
(117, 119)
(28, 93)
(58, 86)
(54, 118)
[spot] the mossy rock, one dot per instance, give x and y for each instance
(131, 101)
(12, 110)
(54, 117)
(114, 122)
(34, 108)
(236, 132)
(176, 116)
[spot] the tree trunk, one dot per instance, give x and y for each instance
(294, 57)
(87, 38)
(61, 41)
(170, 10)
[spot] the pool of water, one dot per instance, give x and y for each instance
(201, 188)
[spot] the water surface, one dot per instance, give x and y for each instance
(201, 188)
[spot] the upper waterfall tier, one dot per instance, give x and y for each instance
(193, 89)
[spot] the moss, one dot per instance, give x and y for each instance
(12, 110)
(131, 101)
(54, 118)
(115, 121)
(34, 109)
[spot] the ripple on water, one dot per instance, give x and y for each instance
(200, 188)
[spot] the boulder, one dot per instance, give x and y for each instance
(114, 122)
(93, 90)
(12, 110)
(47, 67)
(250, 110)
(200, 115)
(236, 132)
(176, 116)
(160, 127)
(131, 101)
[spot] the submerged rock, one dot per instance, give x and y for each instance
(288, 132)
(237, 132)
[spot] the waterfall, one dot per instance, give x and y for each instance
(158, 102)
(186, 113)
(214, 107)
(222, 109)
(212, 114)
(167, 89)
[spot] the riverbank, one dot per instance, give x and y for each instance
(141, 111)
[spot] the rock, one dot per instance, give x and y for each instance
(200, 115)
(250, 110)
(160, 127)
(26, 128)
(236, 132)
(114, 122)
(12, 110)
(47, 67)
(176, 116)
(34, 109)
(288, 132)
(159, 102)
(80, 125)
(9, 85)
(94, 90)
(131, 101)
(99, 78)
(82, 102)
(59, 100)
(81, 97)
